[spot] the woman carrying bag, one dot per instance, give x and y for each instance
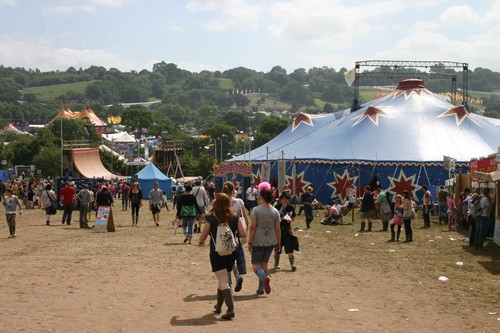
(49, 202)
(222, 265)
(238, 207)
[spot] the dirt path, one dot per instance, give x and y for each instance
(64, 279)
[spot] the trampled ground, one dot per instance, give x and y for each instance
(64, 279)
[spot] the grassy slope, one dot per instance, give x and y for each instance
(47, 93)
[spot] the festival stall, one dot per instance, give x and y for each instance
(486, 171)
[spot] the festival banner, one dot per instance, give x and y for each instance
(281, 174)
(485, 165)
(265, 172)
(242, 168)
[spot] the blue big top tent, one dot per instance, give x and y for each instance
(397, 142)
(149, 175)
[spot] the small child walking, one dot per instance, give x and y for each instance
(11, 202)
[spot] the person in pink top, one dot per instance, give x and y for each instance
(452, 213)
(397, 219)
(332, 215)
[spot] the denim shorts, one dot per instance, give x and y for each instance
(261, 254)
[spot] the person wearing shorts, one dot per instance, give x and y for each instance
(156, 203)
(222, 264)
(264, 237)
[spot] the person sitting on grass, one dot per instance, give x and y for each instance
(331, 216)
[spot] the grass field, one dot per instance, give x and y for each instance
(47, 93)
(226, 84)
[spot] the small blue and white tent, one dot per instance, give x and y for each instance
(149, 175)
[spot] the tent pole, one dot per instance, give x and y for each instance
(178, 164)
(425, 170)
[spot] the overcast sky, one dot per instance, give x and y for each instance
(257, 34)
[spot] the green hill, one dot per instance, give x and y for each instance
(47, 93)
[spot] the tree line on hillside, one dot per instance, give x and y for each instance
(202, 109)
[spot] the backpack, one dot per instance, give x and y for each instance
(225, 243)
(188, 211)
(475, 208)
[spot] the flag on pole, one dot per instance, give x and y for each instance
(350, 76)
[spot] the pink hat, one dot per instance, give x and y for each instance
(264, 186)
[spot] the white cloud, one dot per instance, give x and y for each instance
(8, 2)
(231, 14)
(328, 22)
(460, 15)
(427, 3)
(38, 54)
(492, 19)
(203, 6)
(110, 3)
(424, 45)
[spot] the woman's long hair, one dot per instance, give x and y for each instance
(221, 208)
(228, 188)
(399, 198)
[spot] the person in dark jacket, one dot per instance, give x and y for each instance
(307, 199)
(287, 215)
(135, 202)
(103, 197)
(187, 210)
(367, 207)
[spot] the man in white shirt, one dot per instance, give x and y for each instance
(482, 219)
(202, 200)
(156, 203)
(251, 197)
(427, 206)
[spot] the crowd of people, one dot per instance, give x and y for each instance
(263, 220)
(470, 211)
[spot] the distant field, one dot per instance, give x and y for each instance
(226, 84)
(321, 103)
(370, 95)
(270, 103)
(46, 93)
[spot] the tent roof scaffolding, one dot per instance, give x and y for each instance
(87, 113)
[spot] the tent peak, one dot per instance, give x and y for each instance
(411, 84)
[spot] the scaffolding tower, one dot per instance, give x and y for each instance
(401, 69)
(166, 157)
